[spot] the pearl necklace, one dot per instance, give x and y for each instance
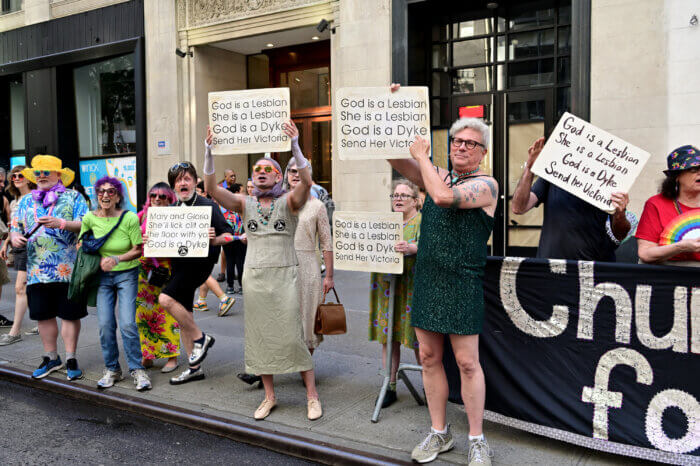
(265, 218)
(457, 178)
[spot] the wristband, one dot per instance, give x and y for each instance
(62, 226)
(115, 259)
(208, 167)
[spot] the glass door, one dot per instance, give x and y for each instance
(528, 115)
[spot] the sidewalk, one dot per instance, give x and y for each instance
(348, 374)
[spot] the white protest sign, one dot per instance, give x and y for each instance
(364, 241)
(178, 231)
(374, 123)
(249, 121)
(588, 162)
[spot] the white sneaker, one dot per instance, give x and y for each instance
(109, 378)
(141, 380)
(480, 453)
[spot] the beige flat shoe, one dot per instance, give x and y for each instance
(264, 409)
(313, 409)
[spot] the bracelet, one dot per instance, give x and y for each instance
(115, 259)
(62, 226)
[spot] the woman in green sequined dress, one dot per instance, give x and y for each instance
(448, 294)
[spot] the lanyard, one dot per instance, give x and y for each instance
(678, 206)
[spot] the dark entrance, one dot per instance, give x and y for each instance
(509, 63)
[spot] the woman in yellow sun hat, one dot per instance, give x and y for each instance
(47, 223)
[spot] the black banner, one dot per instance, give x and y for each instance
(602, 355)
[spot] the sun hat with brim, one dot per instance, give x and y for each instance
(683, 158)
(49, 163)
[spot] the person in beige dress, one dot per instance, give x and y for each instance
(312, 228)
(274, 339)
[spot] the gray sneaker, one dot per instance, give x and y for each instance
(432, 446)
(480, 453)
(8, 339)
(109, 378)
(141, 380)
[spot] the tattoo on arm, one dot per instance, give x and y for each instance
(456, 196)
(492, 186)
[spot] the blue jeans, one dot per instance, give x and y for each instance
(122, 285)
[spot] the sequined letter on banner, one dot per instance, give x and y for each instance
(599, 395)
(654, 426)
(677, 337)
(551, 327)
(590, 297)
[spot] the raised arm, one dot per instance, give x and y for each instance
(300, 194)
(523, 198)
(225, 198)
(477, 193)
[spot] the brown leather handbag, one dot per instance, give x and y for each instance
(330, 317)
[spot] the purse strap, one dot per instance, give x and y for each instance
(121, 217)
(337, 299)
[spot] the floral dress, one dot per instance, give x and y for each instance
(403, 298)
(159, 331)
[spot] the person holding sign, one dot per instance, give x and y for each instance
(189, 273)
(669, 229)
(572, 228)
(274, 342)
(404, 199)
(449, 298)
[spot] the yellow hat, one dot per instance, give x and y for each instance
(49, 163)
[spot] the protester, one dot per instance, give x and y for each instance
(249, 187)
(571, 227)
(118, 281)
(274, 341)
(235, 251)
(158, 330)
(19, 187)
(457, 220)
(404, 199)
(46, 224)
(312, 226)
(680, 194)
(230, 181)
(188, 274)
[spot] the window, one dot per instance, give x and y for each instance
(16, 117)
(105, 107)
(8, 6)
(308, 88)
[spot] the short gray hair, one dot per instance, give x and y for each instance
(472, 123)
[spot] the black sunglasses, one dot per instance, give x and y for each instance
(162, 197)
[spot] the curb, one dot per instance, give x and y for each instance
(288, 444)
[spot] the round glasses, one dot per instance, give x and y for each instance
(38, 173)
(17, 176)
(110, 192)
(265, 168)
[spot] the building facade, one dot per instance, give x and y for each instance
(630, 68)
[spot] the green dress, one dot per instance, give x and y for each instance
(403, 296)
(449, 296)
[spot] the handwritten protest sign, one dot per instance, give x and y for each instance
(588, 162)
(364, 241)
(249, 121)
(178, 231)
(374, 123)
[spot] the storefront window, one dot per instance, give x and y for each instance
(105, 107)
(8, 6)
(16, 116)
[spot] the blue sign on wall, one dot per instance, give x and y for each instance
(122, 168)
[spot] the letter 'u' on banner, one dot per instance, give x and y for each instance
(373, 123)
(249, 121)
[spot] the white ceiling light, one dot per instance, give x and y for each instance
(314, 38)
(270, 45)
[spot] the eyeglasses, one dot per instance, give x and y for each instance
(38, 173)
(17, 176)
(293, 171)
(265, 168)
(160, 196)
(180, 166)
(111, 192)
(470, 143)
(403, 197)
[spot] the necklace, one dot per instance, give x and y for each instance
(265, 218)
(456, 178)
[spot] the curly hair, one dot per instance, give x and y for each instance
(116, 184)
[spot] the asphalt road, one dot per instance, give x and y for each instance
(40, 427)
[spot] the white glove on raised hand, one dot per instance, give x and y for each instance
(209, 168)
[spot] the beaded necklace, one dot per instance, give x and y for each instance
(456, 178)
(265, 218)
